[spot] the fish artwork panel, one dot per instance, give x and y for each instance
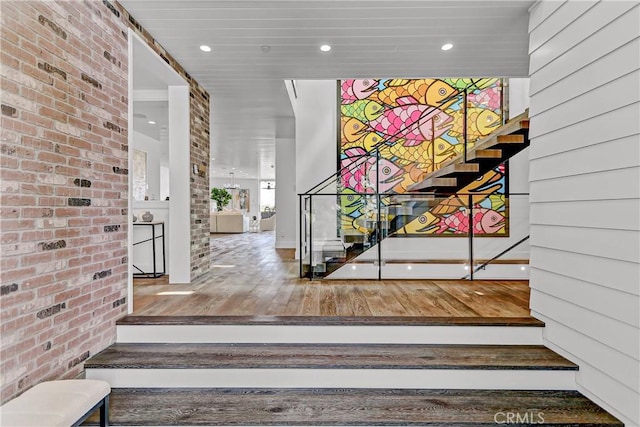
(485, 221)
(429, 92)
(364, 110)
(365, 174)
(411, 123)
(394, 132)
(353, 90)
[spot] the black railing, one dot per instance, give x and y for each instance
(381, 229)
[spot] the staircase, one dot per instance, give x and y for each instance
(458, 175)
(301, 371)
(486, 154)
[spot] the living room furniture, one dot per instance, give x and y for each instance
(58, 403)
(229, 222)
(157, 232)
(268, 224)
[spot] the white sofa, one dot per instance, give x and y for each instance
(268, 224)
(228, 222)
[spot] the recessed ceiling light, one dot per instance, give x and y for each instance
(151, 122)
(325, 48)
(446, 46)
(205, 48)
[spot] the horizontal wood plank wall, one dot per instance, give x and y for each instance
(585, 184)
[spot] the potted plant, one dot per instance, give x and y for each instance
(221, 197)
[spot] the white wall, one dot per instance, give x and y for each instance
(155, 158)
(180, 196)
(585, 184)
(254, 191)
(316, 132)
(286, 198)
(316, 144)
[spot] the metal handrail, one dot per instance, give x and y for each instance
(509, 249)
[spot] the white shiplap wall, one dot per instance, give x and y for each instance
(585, 192)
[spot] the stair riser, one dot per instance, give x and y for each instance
(490, 335)
(338, 378)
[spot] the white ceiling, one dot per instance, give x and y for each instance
(369, 38)
(157, 112)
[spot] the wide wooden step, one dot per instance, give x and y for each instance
(327, 356)
(400, 321)
(353, 407)
(330, 329)
(332, 366)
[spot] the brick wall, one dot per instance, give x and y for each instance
(64, 183)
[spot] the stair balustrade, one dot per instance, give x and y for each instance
(352, 222)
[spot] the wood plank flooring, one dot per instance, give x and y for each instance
(357, 407)
(259, 320)
(249, 277)
(327, 356)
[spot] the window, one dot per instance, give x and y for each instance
(267, 196)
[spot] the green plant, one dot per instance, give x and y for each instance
(221, 196)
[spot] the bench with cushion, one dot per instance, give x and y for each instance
(58, 403)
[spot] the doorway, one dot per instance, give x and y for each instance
(159, 203)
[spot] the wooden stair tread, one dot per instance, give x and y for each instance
(358, 407)
(485, 153)
(133, 320)
(327, 356)
(488, 148)
(511, 133)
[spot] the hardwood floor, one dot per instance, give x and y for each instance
(327, 356)
(249, 277)
(354, 407)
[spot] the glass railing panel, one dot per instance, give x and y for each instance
(500, 244)
(336, 240)
(304, 233)
(428, 237)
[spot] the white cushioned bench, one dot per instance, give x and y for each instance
(58, 403)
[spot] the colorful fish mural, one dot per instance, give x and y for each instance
(414, 126)
(363, 109)
(353, 90)
(411, 123)
(485, 221)
(365, 174)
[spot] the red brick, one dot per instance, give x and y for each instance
(9, 61)
(17, 200)
(41, 190)
(36, 166)
(9, 162)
